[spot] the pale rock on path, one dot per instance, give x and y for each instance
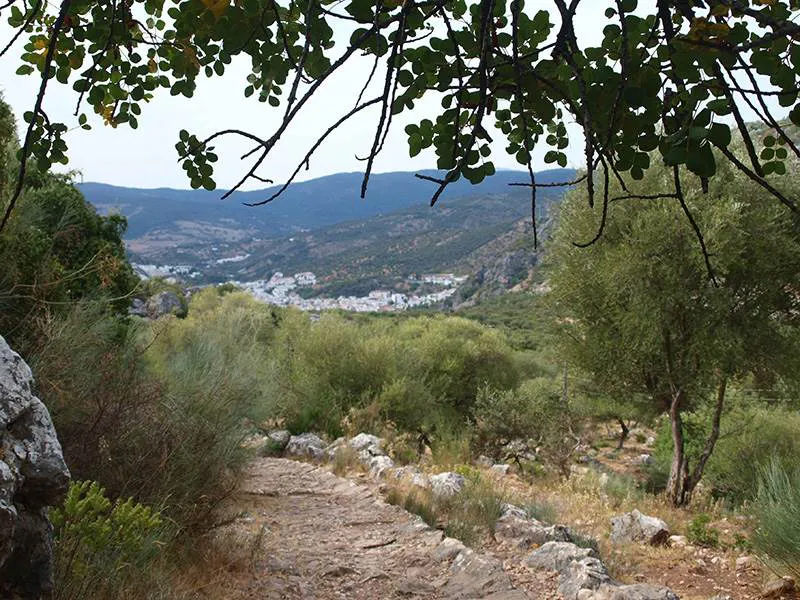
(314, 535)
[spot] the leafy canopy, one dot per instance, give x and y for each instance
(668, 76)
(638, 311)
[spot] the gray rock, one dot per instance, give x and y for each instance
(306, 445)
(526, 533)
(636, 527)
(364, 441)
(33, 476)
(448, 549)
(483, 461)
(557, 556)
(447, 484)
(586, 574)
(138, 308)
(380, 465)
(413, 476)
(164, 303)
(367, 446)
(679, 541)
(637, 591)
(280, 437)
(746, 563)
(476, 575)
(510, 510)
(778, 588)
(334, 447)
(502, 469)
(414, 586)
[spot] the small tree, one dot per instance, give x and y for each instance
(640, 311)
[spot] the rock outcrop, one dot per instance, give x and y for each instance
(306, 445)
(583, 576)
(159, 305)
(515, 528)
(636, 527)
(33, 476)
(447, 484)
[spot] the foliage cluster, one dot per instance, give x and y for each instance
(56, 250)
(102, 547)
(470, 516)
(419, 374)
(149, 412)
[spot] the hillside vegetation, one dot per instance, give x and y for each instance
(157, 417)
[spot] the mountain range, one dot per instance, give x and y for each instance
(323, 226)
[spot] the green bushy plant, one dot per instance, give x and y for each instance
(103, 548)
(542, 511)
(701, 533)
(533, 412)
(155, 414)
(777, 511)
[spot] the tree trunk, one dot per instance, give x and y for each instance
(624, 432)
(682, 482)
(697, 473)
(677, 473)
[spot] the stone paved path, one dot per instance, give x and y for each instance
(311, 534)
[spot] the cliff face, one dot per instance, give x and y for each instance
(505, 263)
(33, 476)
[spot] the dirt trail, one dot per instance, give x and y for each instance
(310, 534)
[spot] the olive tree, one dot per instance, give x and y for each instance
(639, 313)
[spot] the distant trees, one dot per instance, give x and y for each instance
(642, 312)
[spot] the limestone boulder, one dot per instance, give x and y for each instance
(637, 527)
(447, 484)
(557, 556)
(306, 445)
(33, 477)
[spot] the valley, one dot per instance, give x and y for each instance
(353, 247)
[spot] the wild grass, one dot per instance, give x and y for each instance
(345, 460)
(777, 510)
(470, 516)
(542, 510)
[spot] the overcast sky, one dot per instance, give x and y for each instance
(146, 157)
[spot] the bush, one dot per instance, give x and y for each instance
(534, 413)
(415, 373)
(777, 511)
(103, 548)
(469, 516)
(542, 511)
(701, 534)
(156, 418)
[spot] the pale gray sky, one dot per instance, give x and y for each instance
(146, 157)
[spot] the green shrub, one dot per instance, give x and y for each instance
(620, 487)
(777, 511)
(103, 548)
(154, 415)
(533, 412)
(584, 541)
(468, 516)
(701, 534)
